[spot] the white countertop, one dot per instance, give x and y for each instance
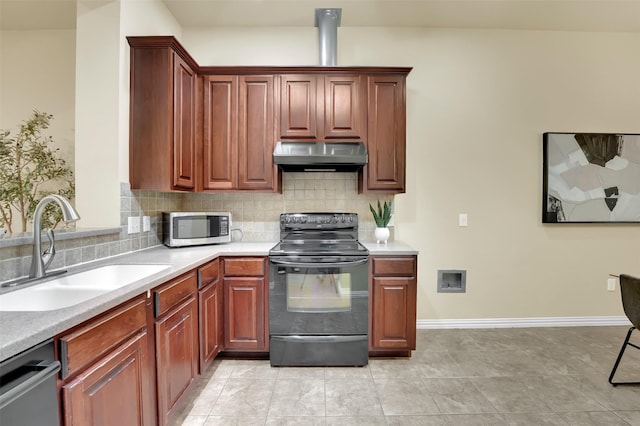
(391, 248)
(21, 330)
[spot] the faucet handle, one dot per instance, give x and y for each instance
(50, 252)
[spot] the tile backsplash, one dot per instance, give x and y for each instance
(257, 214)
(255, 217)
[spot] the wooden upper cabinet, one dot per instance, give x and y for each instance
(386, 139)
(184, 128)
(220, 153)
(298, 107)
(345, 108)
(214, 128)
(318, 107)
(162, 138)
(256, 137)
(238, 136)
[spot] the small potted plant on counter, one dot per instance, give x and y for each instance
(382, 216)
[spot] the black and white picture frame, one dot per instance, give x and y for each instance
(591, 178)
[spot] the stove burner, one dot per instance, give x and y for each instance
(319, 234)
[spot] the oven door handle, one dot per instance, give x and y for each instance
(318, 264)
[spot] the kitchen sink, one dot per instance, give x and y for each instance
(69, 290)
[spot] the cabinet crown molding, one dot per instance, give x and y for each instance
(172, 42)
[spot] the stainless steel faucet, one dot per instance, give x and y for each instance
(40, 261)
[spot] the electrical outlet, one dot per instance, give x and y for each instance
(611, 284)
(146, 223)
(462, 219)
(133, 225)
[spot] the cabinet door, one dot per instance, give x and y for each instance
(220, 149)
(345, 108)
(386, 134)
(255, 133)
(116, 390)
(299, 107)
(176, 355)
(394, 313)
(244, 314)
(211, 323)
(184, 97)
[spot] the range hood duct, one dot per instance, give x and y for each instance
(328, 21)
(320, 156)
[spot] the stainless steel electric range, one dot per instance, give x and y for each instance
(319, 292)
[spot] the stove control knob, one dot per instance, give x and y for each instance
(303, 219)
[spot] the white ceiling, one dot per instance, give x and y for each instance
(571, 15)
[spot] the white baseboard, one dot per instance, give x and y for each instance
(523, 322)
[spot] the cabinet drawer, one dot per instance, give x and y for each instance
(168, 295)
(394, 266)
(208, 273)
(84, 345)
(244, 266)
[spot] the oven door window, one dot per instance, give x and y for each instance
(319, 290)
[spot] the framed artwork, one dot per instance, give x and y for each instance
(591, 178)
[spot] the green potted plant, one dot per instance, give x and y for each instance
(30, 169)
(382, 216)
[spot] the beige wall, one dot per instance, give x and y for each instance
(478, 102)
(102, 99)
(37, 72)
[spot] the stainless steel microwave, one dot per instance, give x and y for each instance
(181, 229)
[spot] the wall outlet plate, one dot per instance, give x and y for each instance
(133, 225)
(611, 284)
(146, 223)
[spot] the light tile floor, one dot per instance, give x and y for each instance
(522, 376)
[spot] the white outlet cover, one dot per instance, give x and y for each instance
(463, 219)
(133, 225)
(146, 223)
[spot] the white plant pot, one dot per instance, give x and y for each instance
(382, 235)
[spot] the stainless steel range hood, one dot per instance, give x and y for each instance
(320, 156)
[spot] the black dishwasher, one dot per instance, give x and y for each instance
(28, 393)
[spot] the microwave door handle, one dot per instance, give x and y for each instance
(318, 264)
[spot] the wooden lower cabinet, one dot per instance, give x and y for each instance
(245, 328)
(113, 390)
(393, 306)
(107, 369)
(133, 364)
(176, 336)
(245, 305)
(210, 313)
